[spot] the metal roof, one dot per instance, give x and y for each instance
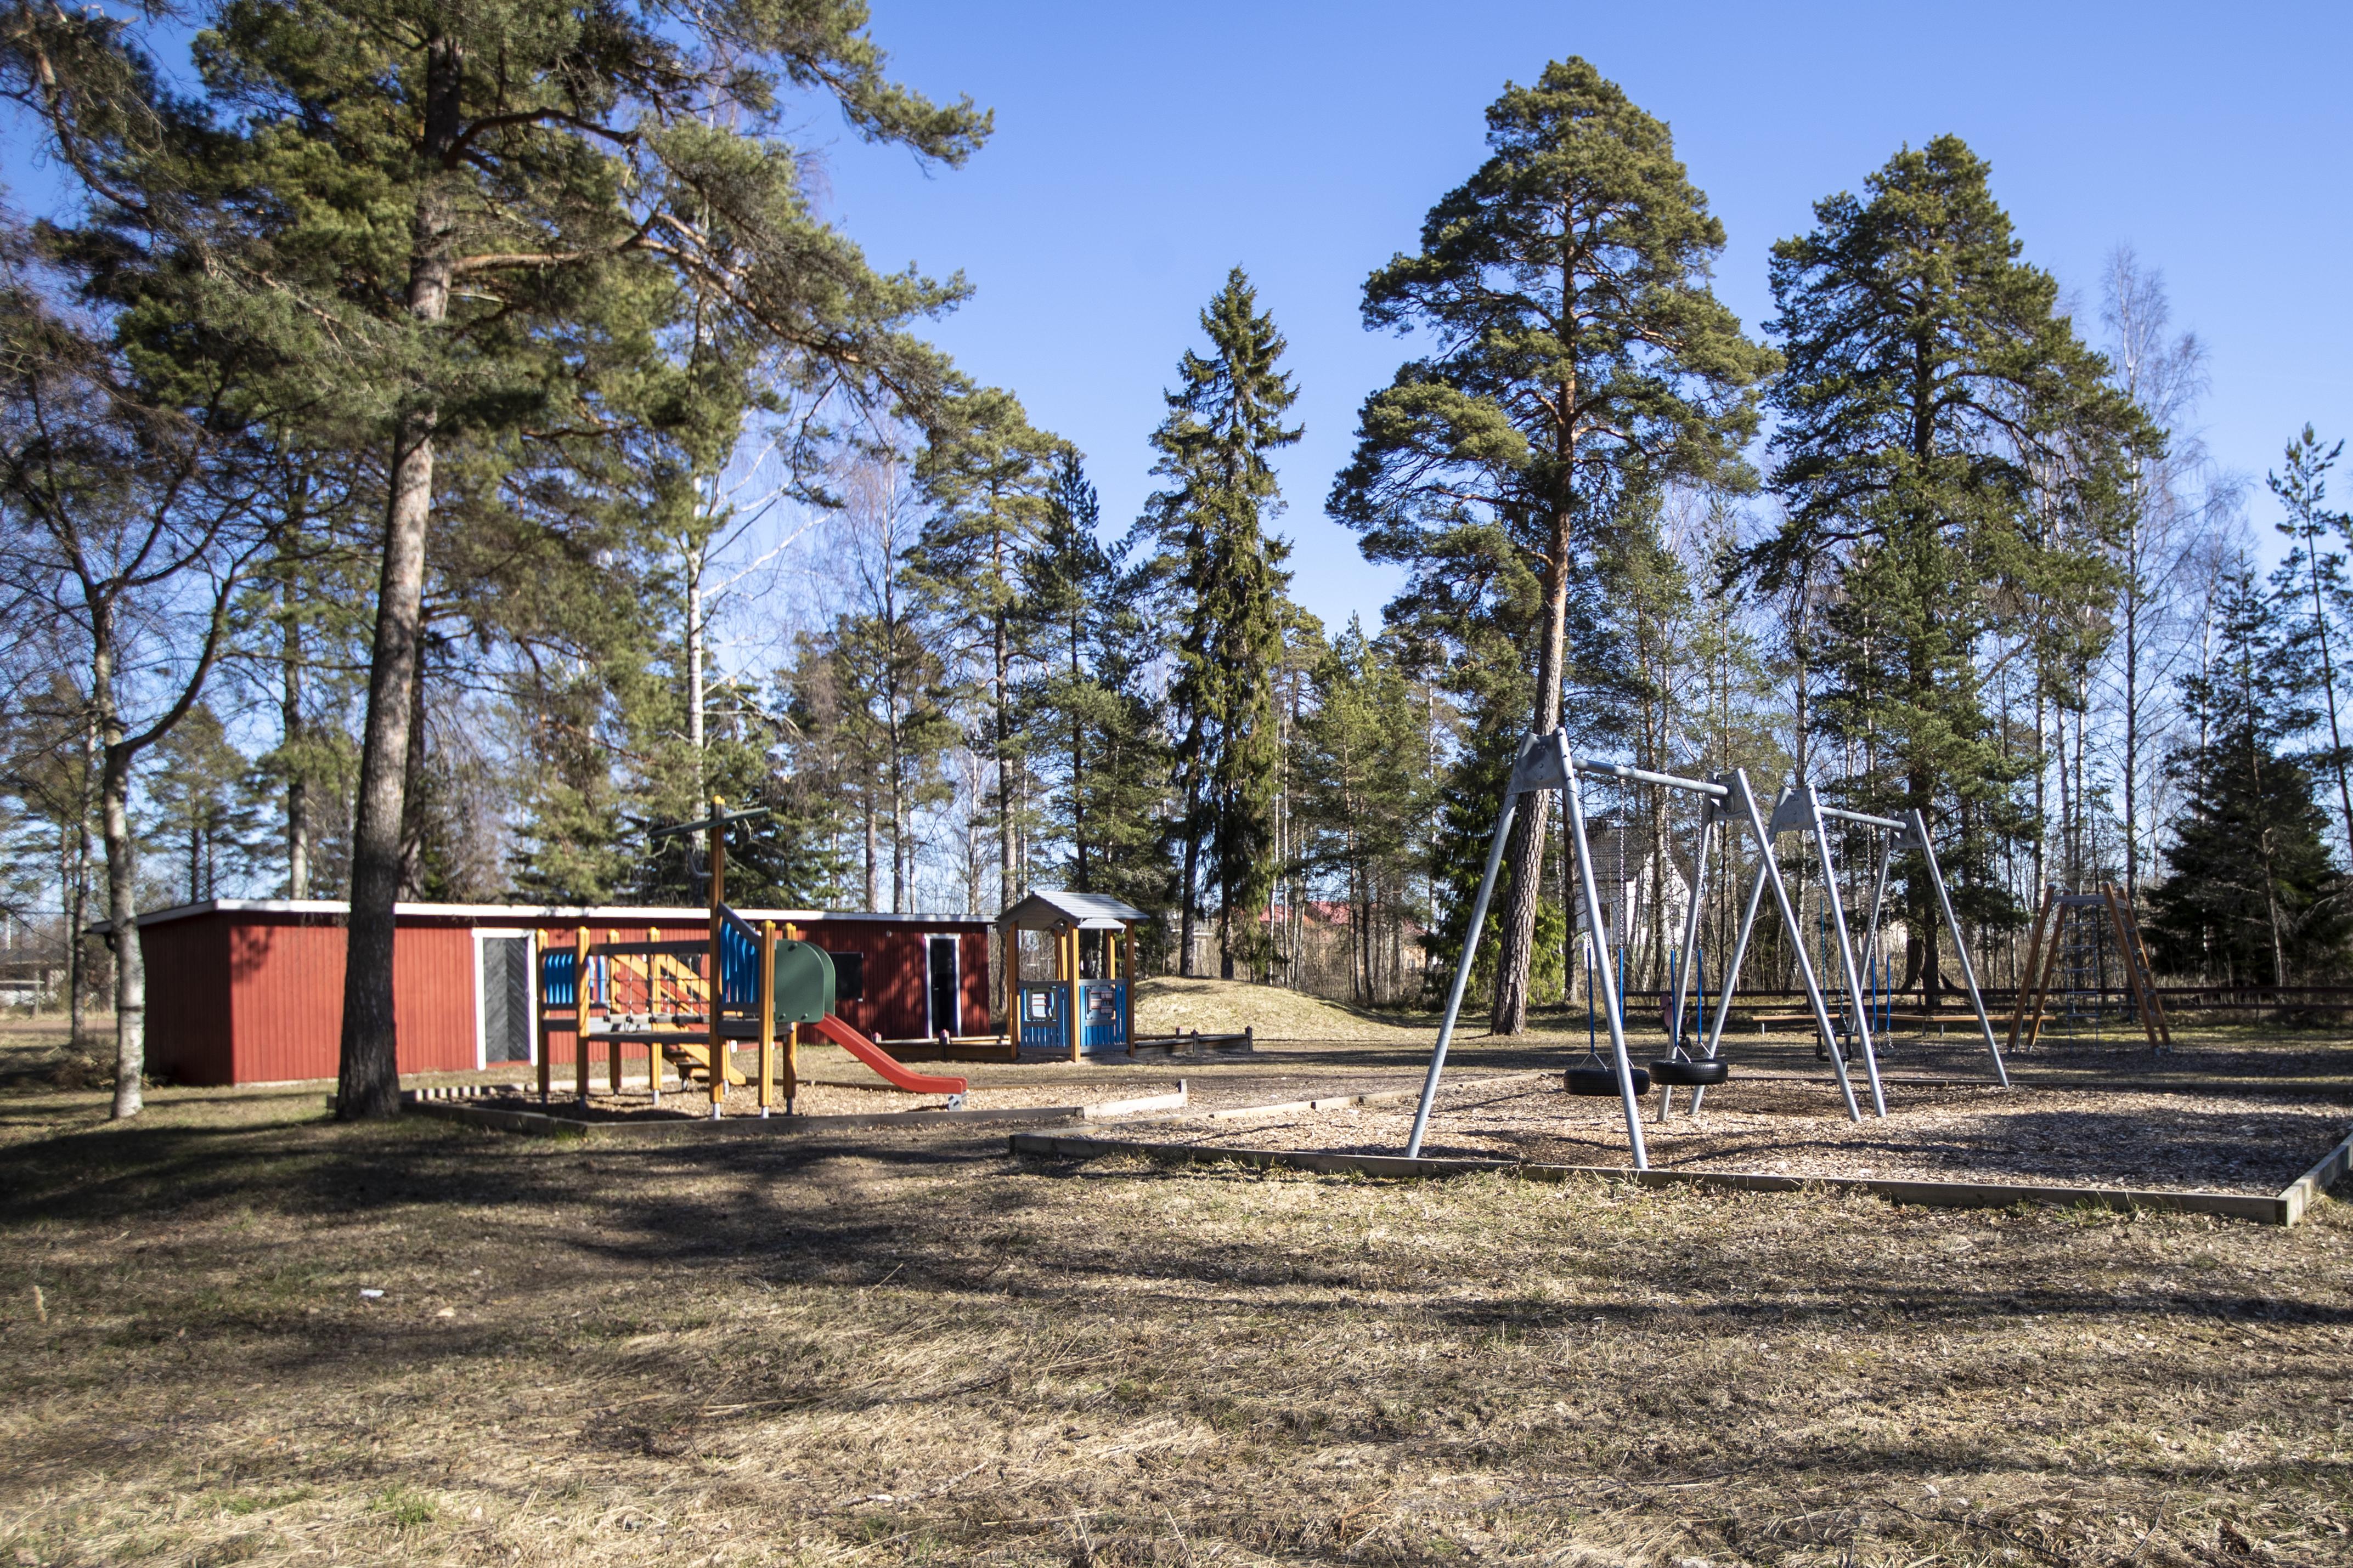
(540, 914)
(1089, 911)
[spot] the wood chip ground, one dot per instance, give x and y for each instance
(2079, 1137)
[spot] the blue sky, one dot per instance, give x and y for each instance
(1140, 152)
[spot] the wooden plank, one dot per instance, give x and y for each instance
(767, 1016)
(580, 1014)
(2309, 1188)
(2261, 1209)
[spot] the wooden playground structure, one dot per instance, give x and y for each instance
(686, 1003)
(2085, 932)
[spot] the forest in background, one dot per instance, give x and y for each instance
(435, 451)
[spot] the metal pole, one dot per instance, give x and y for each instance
(1572, 796)
(1461, 977)
(1960, 947)
(1772, 870)
(1730, 983)
(1846, 961)
(1684, 965)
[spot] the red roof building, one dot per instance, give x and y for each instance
(251, 991)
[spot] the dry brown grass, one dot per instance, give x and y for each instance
(909, 1348)
(1173, 1004)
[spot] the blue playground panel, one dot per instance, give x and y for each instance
(1102, 1010)
(556, 976)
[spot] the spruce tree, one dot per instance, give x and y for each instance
(2252, 896)
(1577, 349)
(2319, 573)
(1224, 571)
(1952, 456)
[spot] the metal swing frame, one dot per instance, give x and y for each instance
(1545, 763)
(1802, 811)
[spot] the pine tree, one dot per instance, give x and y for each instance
(990, 475)
(1365, 798)
(1216, 558)
(461, 220)
(2254, 895)
(1952, 458)
(204, 812)
(1085, 704)
(1578, 350)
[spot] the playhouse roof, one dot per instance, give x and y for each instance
(1089, 911)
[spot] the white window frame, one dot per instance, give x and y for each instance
(482, 998)
(956, 956)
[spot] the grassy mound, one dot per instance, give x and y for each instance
(1167, 1006)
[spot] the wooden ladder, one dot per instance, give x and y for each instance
(2135, 953)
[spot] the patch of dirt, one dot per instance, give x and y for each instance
(2072, 1136)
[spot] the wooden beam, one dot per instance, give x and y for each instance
(580, 1017)
(1075, 1026)
(767, 1016)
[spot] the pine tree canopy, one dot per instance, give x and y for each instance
(1953, 459)
(1581, 360)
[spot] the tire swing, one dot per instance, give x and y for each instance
(1679, 1068)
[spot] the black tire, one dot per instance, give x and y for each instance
(1690, 1073)
(1602, 1080)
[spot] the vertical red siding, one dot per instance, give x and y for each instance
(257, 996)
(190, 1030)
(976, 1006)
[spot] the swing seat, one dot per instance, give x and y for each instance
(1600, 1078)
(1691, 1072)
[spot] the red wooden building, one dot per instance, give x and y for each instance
(251, 991)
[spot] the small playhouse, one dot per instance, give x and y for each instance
(1069, 968)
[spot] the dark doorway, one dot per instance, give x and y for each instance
(945, 987)
(506, 999)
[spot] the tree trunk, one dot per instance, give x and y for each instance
(1192, 874)
(122, 872)
(1509, 1014)
(1007, 875)
(77, 887)
(289, 713)
(368, 1084)
(122, 917)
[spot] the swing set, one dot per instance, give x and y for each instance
(1727, 804)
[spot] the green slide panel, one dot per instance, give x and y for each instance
(803, 983)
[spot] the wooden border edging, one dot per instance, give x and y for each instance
(548, 1124)
(2262, 1210)
(2299, 1194)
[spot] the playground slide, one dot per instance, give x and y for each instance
(832, 1028)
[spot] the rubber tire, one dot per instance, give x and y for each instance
(1602, 1080)
(1702, 1073)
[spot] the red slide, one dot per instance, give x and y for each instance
(832, 1028)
